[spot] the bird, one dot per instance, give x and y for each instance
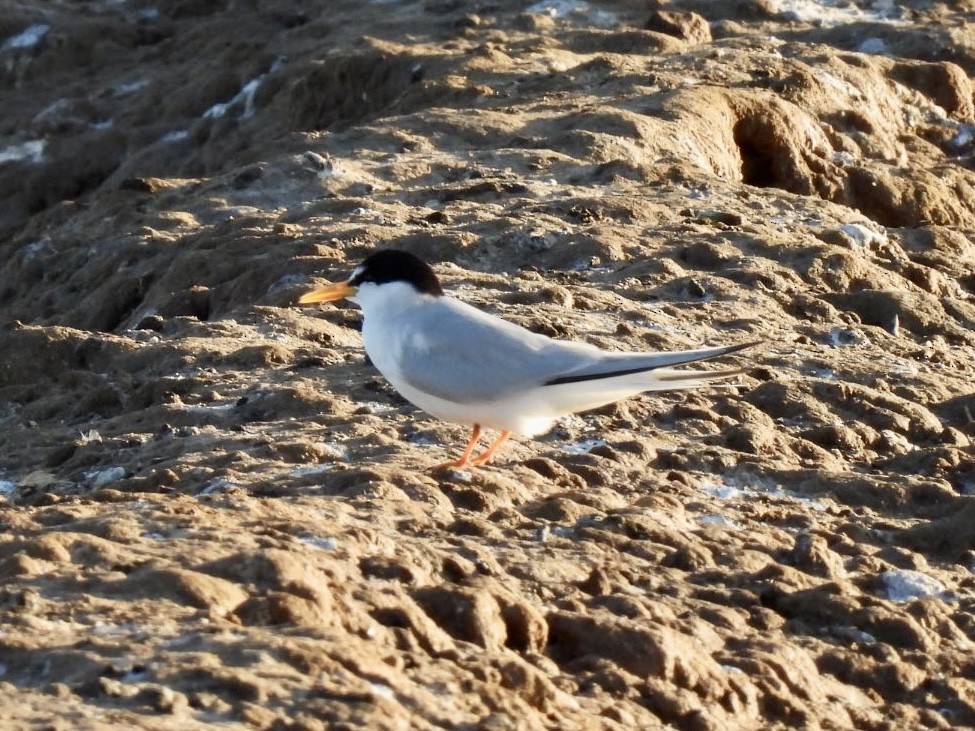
(463, 365)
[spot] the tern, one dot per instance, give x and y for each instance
(466, 366)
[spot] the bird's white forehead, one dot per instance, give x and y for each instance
(357, 271)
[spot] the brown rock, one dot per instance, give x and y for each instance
(636, 647)
(182, 586)
(277, 570)
(50, 547)
(526, 627)
(687, 26)
(389, 568)
(896, 628)
(558, 510)
(952, 535)
(401, 612)
(691, 556)
(23, 565)
(529, 682)
(281, 608)
(598, 583)
(920, 313)
(945, 83)
(891, 679)
(835, 436)
(834, 603)
(752, 439)
(942, 197)
(812, 554)
(468, 614)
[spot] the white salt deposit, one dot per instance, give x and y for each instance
(903, 585)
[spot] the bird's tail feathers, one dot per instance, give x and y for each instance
(677, 357)
(665, 379)
(575, 396)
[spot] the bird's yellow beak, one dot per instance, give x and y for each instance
(328, 294)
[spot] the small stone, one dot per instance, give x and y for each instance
(695, 289)
(812, 554)
(903, 585)
(467, 614)
(750, 439)
(527, 629)
(107, 476)
(597, 583)
(165, 700)
(840, 337)
(874, 46)
(687, 26)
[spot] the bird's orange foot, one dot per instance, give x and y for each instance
(484, 458)
(457, 464)
(465, 459)
(489, 453)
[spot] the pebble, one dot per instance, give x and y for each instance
(863, 236)
(100, 478)
(840, 337)
(903, 585)
(875, 46)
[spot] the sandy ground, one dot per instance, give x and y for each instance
(215, 513)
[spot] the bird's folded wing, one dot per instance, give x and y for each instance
(611, 365)
(464, 355)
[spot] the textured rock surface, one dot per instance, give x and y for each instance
(214, 511)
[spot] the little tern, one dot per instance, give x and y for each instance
(469, 367)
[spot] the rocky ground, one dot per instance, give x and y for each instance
(215, 512)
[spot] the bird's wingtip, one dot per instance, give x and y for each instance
(744, 346)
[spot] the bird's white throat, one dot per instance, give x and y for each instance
(387, 299)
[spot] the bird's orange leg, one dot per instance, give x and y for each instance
(488, 455)
(465, 458)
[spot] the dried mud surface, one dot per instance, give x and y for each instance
(214, 511)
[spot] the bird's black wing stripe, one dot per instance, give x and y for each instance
(596, 376)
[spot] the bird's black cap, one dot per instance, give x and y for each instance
(393, 265)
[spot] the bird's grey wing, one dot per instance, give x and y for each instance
(459, 353)
(611, 365)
